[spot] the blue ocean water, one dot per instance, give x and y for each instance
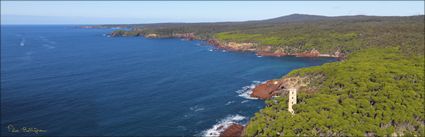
(70, 81)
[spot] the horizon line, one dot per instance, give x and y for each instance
(171, 22)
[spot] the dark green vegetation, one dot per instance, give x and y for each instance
(378, 90)
(298, 33)
(373, 92)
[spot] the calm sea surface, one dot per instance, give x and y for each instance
(70, 81)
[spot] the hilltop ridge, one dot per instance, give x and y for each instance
(296, 34)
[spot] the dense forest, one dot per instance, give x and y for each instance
(378, 90)
(298, 33)
(375, 92)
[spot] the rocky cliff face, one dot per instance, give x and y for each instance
(268, 89)
(312, 53)
(232, 46)
(234, 130)
(278, 87)
(188, 36)
(152, 35)
(116, 34)
(235, 46)
(269, 50)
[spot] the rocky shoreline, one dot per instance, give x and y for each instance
(266, 90)
(279, 87)
(269, 51)
(234, 130)
(235, 46)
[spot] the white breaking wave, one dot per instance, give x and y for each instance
(196, 108)
(222, 125)
(48, 46)
(229, 102)
(44, 39)
(244, 101)
(246, 91)
(22, 42)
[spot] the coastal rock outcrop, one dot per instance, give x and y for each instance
(232, 46)
(276, 53)
(187, 36)
(312, 53)
(151, 35)
(116, 34)
(278, 87)
(234, 130)
(267, 90)
(213, 42)
(239, 46)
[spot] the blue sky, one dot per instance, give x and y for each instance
(110, 12)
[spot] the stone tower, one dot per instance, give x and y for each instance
(292, 99)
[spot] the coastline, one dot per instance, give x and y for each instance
(309, 80)
(263, 91)
(259, 50)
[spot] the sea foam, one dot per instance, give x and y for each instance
(196, 108)
(246, 91)
(229, 102)
(222, 125)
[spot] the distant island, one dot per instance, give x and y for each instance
(376, 89)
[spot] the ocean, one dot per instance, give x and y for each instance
(68, 81)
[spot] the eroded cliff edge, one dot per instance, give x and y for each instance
(258, 49)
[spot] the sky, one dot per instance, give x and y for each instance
(127, 12)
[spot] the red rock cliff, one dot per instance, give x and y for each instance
(234, 130)
(277, 87)
(188, 36)
(267, 90)
(312, 53)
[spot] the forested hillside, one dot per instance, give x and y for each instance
(299, 33)
(375, 92)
